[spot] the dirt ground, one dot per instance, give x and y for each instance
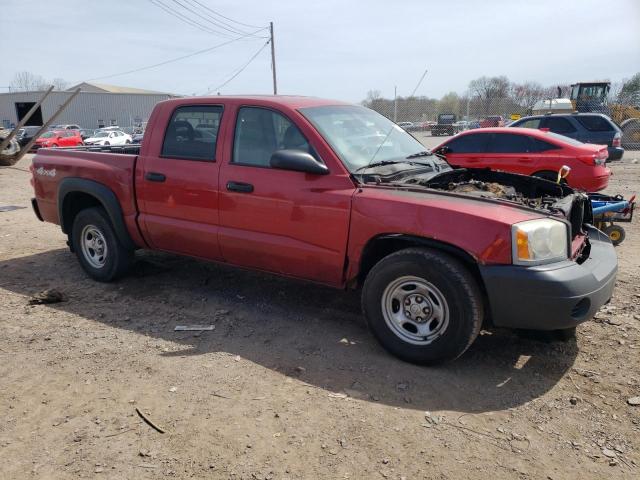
(289, 384)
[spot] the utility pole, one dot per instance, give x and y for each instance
(273, 60)
(395, 104)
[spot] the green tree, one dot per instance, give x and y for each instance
(630, 91)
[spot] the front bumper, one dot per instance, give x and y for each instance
(555, 296)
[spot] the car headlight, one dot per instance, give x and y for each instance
(539, 241)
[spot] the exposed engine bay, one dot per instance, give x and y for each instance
(531, 192)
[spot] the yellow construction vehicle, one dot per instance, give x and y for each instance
(593, 97)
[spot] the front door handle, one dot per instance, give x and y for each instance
(155, 177)
(239, 187)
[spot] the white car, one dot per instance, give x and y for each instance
(108, 138)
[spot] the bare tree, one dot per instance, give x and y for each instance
(526, 94)
(373, 95)
(490, 89)
(25, 81)
(28, 81)
(60, 83)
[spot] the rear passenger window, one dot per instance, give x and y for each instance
(260, 132)
(192, 133)
(472, 143)
(559, 125)
(509, 143)
(595, 123)
(531, 123)
(541, 146)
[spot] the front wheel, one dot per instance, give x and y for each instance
(423, 305)
(97, 247)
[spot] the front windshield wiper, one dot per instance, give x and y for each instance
(379, 164)
(424, 153)
(389, 162)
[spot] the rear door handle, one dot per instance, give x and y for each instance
(155, 177)
(239, 187)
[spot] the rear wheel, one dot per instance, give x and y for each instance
(422, 305)
(97, 247)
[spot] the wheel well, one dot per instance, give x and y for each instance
(379, 247)
(73, 203)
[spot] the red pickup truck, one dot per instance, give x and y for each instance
(336, 194)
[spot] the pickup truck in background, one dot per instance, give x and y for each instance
(445, 125)
(336, 194)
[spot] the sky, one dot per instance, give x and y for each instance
(331, 48)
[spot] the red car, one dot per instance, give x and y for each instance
(58, 138)
(530, 152)
(492, 121)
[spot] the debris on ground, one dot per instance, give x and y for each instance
(193, 328)
(47, 296)
(148, 421)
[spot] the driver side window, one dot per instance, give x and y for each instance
(260, 132)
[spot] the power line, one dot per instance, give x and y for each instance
(187, 20)
(190, 21)
(226, 18)
(239, 70)
(212, 20)
(199, 52)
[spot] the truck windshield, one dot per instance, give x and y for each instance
(360, 136)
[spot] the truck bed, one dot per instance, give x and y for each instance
(110, 166)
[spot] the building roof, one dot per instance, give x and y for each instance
(105, 88)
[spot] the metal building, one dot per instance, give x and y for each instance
(96, 106)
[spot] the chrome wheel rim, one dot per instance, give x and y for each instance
(415, 310)
(94, 246)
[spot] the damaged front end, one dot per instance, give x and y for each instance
(521, 190)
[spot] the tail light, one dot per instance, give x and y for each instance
(598, 158)
(617, 140)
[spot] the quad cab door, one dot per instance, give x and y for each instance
(282, 221)
(177, 181)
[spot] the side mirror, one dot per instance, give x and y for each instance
(443, 150)
(298, 161)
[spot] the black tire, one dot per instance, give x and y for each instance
(116, 260)
(457, 287)
(615, 233)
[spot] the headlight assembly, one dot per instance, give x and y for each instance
(539, 241)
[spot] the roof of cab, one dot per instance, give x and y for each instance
(291, 101)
